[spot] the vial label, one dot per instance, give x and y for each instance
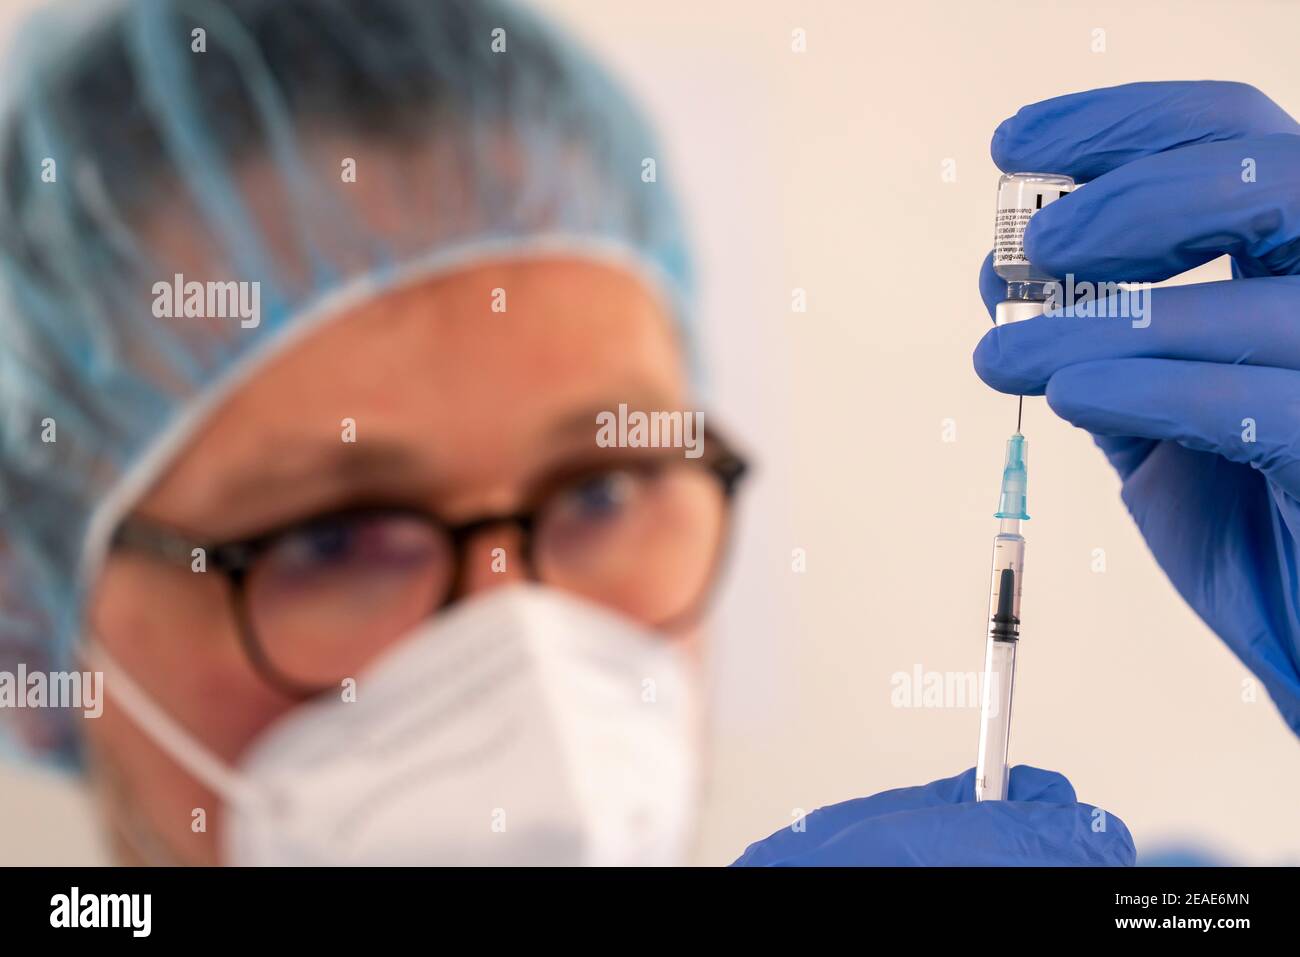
(1018, 201)
(1009, 237)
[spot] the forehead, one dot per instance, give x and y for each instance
(470, 373)
(502, 343)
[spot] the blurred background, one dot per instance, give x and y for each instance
(858, 171)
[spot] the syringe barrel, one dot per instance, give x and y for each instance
(992, 772)
(1008, 555)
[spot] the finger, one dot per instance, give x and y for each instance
(1035, 784)
(1087, 134)
(1247, 414)
(1239, 321)
(1027, 784)
(993, 288)
(1126, 453)
(1161, 215)
(823, 823)
(1246, 322)
(984, 834)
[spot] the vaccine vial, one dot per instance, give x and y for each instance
(1020, 197)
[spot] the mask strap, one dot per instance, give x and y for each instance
(167, 733)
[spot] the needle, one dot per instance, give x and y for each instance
(1020, 408)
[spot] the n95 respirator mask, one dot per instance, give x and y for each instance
(523, 727)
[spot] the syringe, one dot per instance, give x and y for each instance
(991, 769)
(1020, 197)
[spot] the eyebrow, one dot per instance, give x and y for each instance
(322, 474)
(324, 468)
(585, 421)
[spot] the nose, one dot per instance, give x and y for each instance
(493, 557)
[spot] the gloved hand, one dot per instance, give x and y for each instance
(942, 824)
(1199, 412)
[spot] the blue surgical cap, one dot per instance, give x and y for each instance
(244, 127)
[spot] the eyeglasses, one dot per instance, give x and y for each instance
(317, 599)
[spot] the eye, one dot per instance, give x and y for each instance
(346, 543)
(318, 544)
(600, 497)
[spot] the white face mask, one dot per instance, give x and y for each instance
(524, 727)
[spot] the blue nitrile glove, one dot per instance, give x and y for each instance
(1178, 174)
(941, 824)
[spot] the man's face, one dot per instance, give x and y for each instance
(458, 409)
